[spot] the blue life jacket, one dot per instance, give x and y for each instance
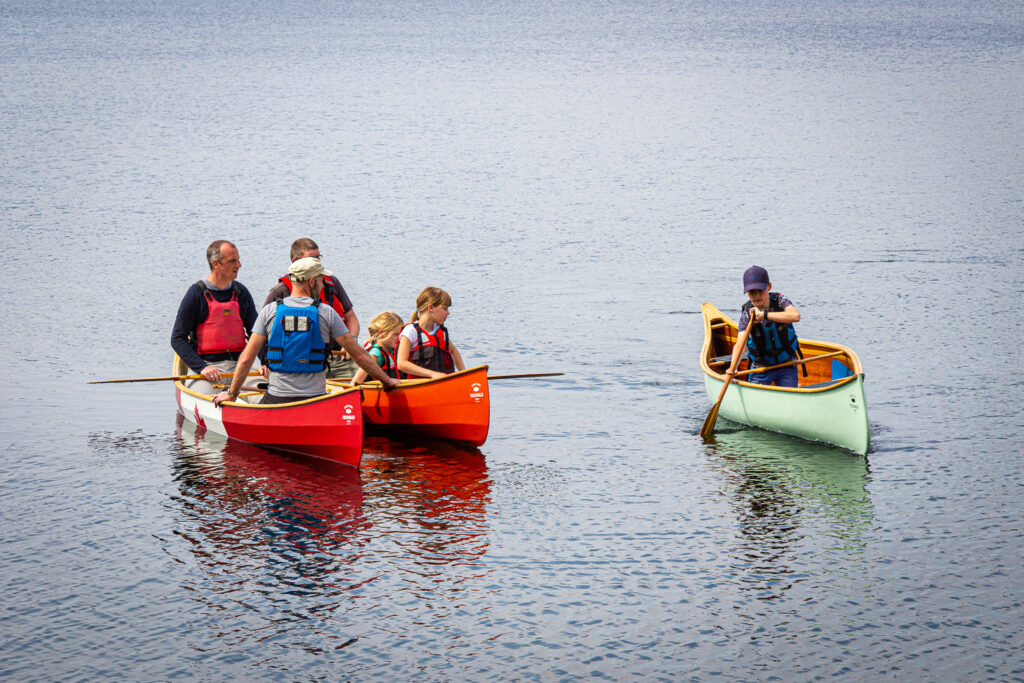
(771, 343)
(295, 344)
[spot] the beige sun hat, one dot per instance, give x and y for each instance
(306, 269)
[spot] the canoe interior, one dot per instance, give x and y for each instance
(834, 370)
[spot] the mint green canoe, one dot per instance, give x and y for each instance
(828, 405)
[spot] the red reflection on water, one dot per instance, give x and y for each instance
(435, 492)
(247, 489)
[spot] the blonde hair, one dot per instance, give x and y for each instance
(384, 324)
(430, 296)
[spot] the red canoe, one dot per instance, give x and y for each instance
(455, 407)
(328, 426)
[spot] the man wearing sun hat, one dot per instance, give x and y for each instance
(297, 329)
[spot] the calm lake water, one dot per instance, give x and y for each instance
(580, 177)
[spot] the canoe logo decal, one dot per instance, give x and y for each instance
(475, 393)
(199, 420)
(348, 414)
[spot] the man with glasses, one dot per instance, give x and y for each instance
(339, 364)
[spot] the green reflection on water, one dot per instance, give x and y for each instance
(802, 510)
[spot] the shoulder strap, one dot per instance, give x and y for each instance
(204, 290)
(328, 290)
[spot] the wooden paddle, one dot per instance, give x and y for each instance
(709, 422)
(161, 379)
(418, 380)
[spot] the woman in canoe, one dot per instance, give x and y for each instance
(382, 345)
(424, 348)
(772, 339)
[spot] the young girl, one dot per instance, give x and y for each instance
(424, 349)
(384, 330)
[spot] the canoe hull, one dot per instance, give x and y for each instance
(456, 407)
(837, 416)
(328, 427)
(828, 406)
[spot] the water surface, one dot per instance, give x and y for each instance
(579, 178)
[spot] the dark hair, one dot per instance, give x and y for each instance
(213, 251)
(301, 246)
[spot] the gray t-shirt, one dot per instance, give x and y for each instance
(300, 383)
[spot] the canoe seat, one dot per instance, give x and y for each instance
(720, 359)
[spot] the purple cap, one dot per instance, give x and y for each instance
(756, 277)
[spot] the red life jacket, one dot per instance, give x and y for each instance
(223, 330)
(390, 366)
(431, 351)
(329, 295)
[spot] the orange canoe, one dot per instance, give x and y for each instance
(455, 407)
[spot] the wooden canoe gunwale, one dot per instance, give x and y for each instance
(411, 382)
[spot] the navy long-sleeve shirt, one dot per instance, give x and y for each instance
(194, 310)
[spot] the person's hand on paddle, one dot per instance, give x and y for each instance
(340, 352)
(730, 375)
(265, 371)
(212, 374)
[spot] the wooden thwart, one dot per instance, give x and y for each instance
(798, 361)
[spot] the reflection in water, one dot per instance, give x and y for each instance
(792, 499)
(247, 492)
(300, 554)
(274, 538)
(434, 492)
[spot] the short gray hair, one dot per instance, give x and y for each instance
(213, 251)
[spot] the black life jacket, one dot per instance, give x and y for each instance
(771, 343)
(431, 351)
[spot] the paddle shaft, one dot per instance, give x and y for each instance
(427, 379)
(161, 379)
(708, 428)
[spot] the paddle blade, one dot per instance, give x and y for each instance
(708, 430)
